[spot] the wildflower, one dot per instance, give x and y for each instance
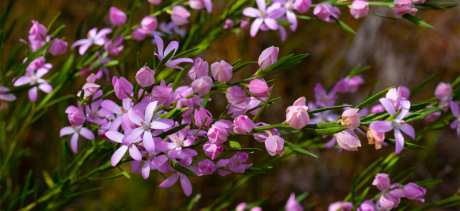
(221, 71)
(212, 150)
(264, 15)
(382, 181)
(180, 15)
(114, 47)
(37, 31)
(93, 38)
(90, 88)
(359, 9)
(204, 167)
(133, 150)
(402, 7)
(292, 204)
(228, 24)
(274, 144)
(174, 45)
(117, 17)
(324, 99)
(454, 106)
(75, 115)
(149, 24)
(139, 34)
(235, 95)
(163, 93)
(259, 88)
(268, 57)
(377, 109)
(348, 140)
(325, 11)
(4, 96)
(350, 119)
(414, 192)
(200, 4)
(366, 206)
(397, 124)
(200, 69)
(345, 206)
(235, 163)
(145, 77)
(390, 200)
(375, 137)
(243, 124)
(102, 69)
(32, 78)
(296, 115)
(200, 115)
(202, 85)
(302, 5)
(123, 88)
(58, 47)
(241, 206)
(347, 84)
(76, 131)
(184, 181)
(443, 92)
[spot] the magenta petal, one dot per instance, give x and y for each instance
(381, 126)
(186, 185)
(135, 153)
(261, 4)
(388, 106)
(255, 26)
(408, 129)
(149, 111)
(85, 132)
(74, 143)
(169, 181)
(162, 124)
(148, 141)
(399, 141)
(111, 106)
(454, 107)
(116, 157)
(134, 117)
(114, 136)
(146, 170)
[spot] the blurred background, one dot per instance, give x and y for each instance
(399, 53)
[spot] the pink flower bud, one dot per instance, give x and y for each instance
(200, 4)
(200, 69)
(268, 57)
(202, 85)
(443, 92)
(367, 206)
(388, 201)
(123, 88)
(149, 23)
(375, 137)
(226, 124)
(414, 192)
(58, 47)
(154, 2)
(254, 102)
(235, 163)
(117, 17)
(292, 204)
(259, 88)
(243, 124)
(244, 24)
(296, 115)
(325, 11)
(382, 181)
(206, 167)
(346, 206)
(348, 140)
(235, 95)
(212, 150)
(139, 34)
(235, 110)
(405, 92)
(163, 93)
(350, 119)
(377, 109)
(402, 7)
(180, 15)
(262, 136)
(302, 5)
(241, 207)
(274, 145)
(228, 24)
(75, 115)
(217, 134)
(359, 9)
(37, 32)
(145, 77)
(200, 115)
(90, 88)
(221, 71)
(183, 102)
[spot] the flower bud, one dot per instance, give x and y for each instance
(217, 134)
(226, 124)
(149, 23)
(414, 192)
(359, 9)
(75, 115)
(37, 32)
(274, 145)
(228, 24)
(241, 207)
(366, 206)
(302, 5)
(200, 4)
(180, 15)
(163, 93)
(405, 92)
(58, 47)
(375, 137)
(206, 167)
(235, 110)
(345, 206)
(377, 109)
(200, 69)
(212, 150)
(292, 204)
(262, 136)
(221, 71)
(296, 115)
(139, 34)
(243, 124)
(154, 2)
(350, 119)
(382, 181)
(235, 95)
(202, 85)
(443, 92)
(117, 17)
(325, 11)
(388, 201)
(244, 24)
(259, 88)
(268, 57)
(183, 102)
(348, 140)
(123, 88)
(145, 77)
(200, 115)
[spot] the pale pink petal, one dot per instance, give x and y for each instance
(22, 80)
(381, 126)
(146, 170)
(261, 4)
(255, 26)
(148, 141)
(388, 106)
(111, 106)
(408, 129)
(134, 117)
(160, 45)
(399, 141)
(251, 12)
(135, 153)
(45, 87)
(74, 143)
(186, 185)
(66, 131)
(114, 136)
(85, 132)
(131, 137)
(271, 23)
(116, 157)
(169, 181)
(149, 111)
(162, 124)
(455, 108)
(33, 94)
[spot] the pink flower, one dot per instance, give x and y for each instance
(296, 115)
(180, 15)
(117, 17)
(145, 77)
(377, 109)
(243, 124)
(93, 38)
(200, 115)
(359, 9)
(185, 103)
(268, 57)
(432, 116)
(235, 163)
(324, 99)
(163, 94)
(202, 86)
(241, 206)
(366, 206)
(405, 92)
(347, 84)
(200, 4)
(325, 11)
(259, 88)
(75, 115)
(32, 77)
(390, 200)
(217, 134)
(302, 5)
(37, 32)
(5, 96)
(244, 24)
(200, 69)
(115, 47)
(213, 150)
(274, 145)
(123, 88)
(350, 119)
(184, 182)
(204, 167)
(396, 124)
(375, 137)
(122, 114)
(443, 92)
(235, 110)
(221, 71)
(345, 206)
(139, 34)
(226, 124)
(149, 24)
(154, 2)
(454, 107)
(90, 88)
(292, 204)
(418, 1)
(174, 45)
(262, 136)
(76, 131)
(402, 7)
(228, 24)
(118, 155)
(348, 140)
(235, 95)
(58, 47)
(264, 16)
(382, 181)
(414, 192)
(38, 64)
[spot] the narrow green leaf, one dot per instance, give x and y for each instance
(369, 168)
(423, 113)
(428, 182)
(298, 149)
(179, 55)
(421, 85)
(52, 21)
(417, 21)
(257, 170)
(193, 201)
(344, 26)
(58, 30)
(283, 23)
(328, 108)
(177, 79)
(382, 16)
(162, 63)
(235, 145)
(111, 63)
(236, 69)
(48, 180)
(26, 187)
(205, 100)
(406, 144)
(236, 62)
(353, 188)
(363, 196)
(403, 174)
